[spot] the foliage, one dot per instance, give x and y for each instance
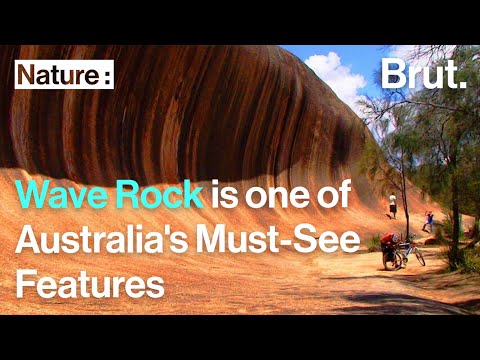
(450, 137)
(469, 179)
(374, 243)
(444, 126)
(467, 260)
(440, 236)
(454, 256)
(448, 223)
(391, 161)
(471, 261)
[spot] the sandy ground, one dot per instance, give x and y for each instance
(293, 284)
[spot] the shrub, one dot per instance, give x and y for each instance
(468, 260)
(448, 224)
(454, 257)
(374, 243)
(439, 236)
(471, 261)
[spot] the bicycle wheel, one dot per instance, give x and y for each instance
(419, 256)
(392, 262)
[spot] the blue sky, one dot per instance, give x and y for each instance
(347, 69)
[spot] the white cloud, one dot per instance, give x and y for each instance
(402, 51)
(339, 77)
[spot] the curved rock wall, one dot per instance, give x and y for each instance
(197, 112)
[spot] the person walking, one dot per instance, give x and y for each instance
(393, 207)
(429, 221)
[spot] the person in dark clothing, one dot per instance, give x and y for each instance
(388, 242)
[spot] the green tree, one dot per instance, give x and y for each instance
(391, 161)
(450, 129)
(469, 182)
(446, 127)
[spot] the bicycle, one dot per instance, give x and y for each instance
(392, 260)
(408, 247)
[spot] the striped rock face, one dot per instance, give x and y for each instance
(198, 112)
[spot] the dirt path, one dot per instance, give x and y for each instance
(284, 283)
(355, 284)
(364, 287)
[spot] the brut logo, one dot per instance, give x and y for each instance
(64, 74)
(395, 78)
